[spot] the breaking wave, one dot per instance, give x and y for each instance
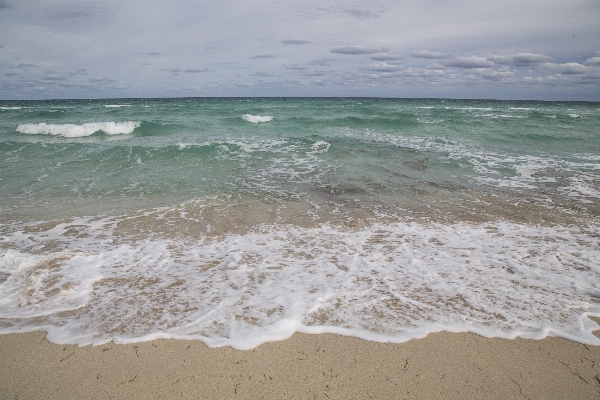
(255, 119)
(73, 130)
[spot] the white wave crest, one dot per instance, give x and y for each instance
(255, 119)
(116, 105)
(73, 130)
(10, 108)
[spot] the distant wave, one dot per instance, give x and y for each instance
(255, 119)
(72, 130)
(116, 105)
(10, 108)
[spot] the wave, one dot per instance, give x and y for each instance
(73, 130)
(256, 118)
(385, 282)
(10, 108)
(116, 105)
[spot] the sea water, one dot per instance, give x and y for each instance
(240, 221)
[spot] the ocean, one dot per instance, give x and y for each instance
(238, 221)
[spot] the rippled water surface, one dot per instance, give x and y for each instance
(240, 221)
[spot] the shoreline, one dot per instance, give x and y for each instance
(441, 365)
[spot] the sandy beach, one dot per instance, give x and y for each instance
(442, 365)
(287, 199)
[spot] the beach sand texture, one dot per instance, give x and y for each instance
(440, 366)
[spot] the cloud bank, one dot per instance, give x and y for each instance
(430, 48)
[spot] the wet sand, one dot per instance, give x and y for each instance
(442, 365)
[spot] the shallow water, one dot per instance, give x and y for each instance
(240, 221)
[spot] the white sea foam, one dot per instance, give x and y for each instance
(256, 118)
(10, 108)
(511, 116)
(430, 122)
(54, 283)
(73, 130)
(386, 282)
(320, 147)
(116, 105)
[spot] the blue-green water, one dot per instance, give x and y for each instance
(226, 219)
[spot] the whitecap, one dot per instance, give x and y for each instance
(73, 130)
(116, 105)
(256, 118)
(10, 108)
(320, 147)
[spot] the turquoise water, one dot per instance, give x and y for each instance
(239, 221)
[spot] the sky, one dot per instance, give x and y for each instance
(538, 50)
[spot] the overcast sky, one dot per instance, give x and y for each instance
(444, 48)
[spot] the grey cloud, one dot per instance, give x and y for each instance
(592, 61)
(520, 59)
(530, 79)
(175, 71)
(591, 77)
(23, 66)
(1, 47)
(359, 13)
(71, 14)
(262, 56)
(362, 14)
(383, 67)
(307, 14)
(568, 68)
(54, 78)
(422, 73)
(323, 62)
(356, 50)
(101, 80)
(468, 62)
(491, 74)
(386, 57)
(432, 55)
(296, 67)
(293, 41)
(263, 74)
(78, 72)
(320, 62)
(317, 73)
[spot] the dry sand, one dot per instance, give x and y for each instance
(440, 366)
